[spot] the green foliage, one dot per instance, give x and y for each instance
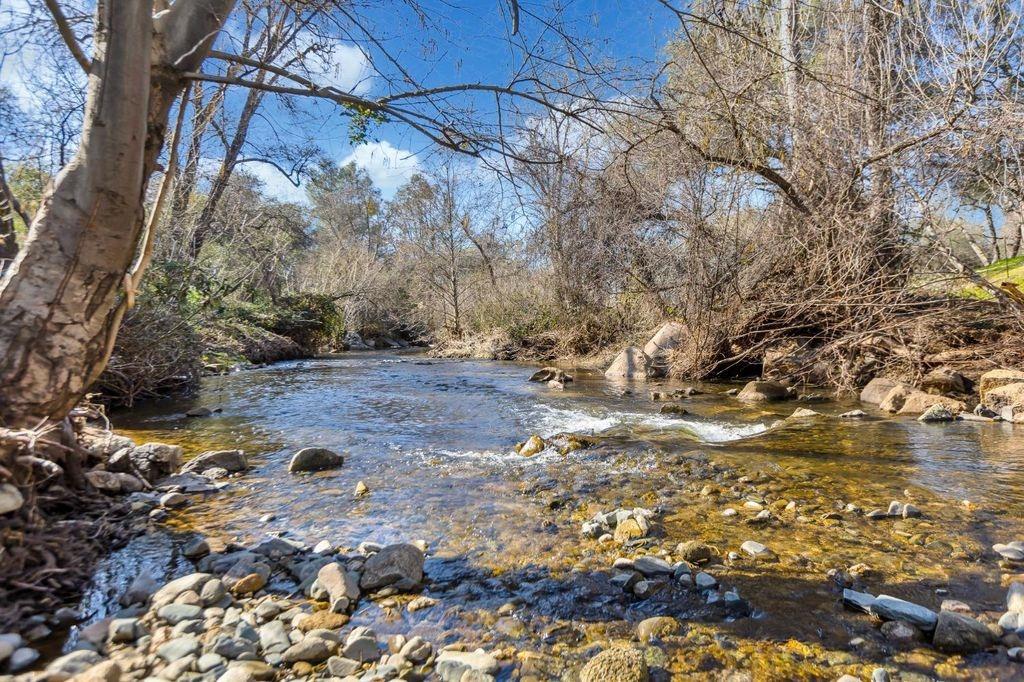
(363, 120)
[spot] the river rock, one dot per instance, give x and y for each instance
(178, 648)
(997, 378)
(893, 608)
(1014, 551)
(155, 460)
(11, 499)
(652, 566)
(617, 664)
(937, 413)
(232, 461)
(105, 671)
(399, 566)
(876, 390)
(551, 374)
(192, 582)
(901, 632)
(957, 633)
(858, 601)
(696, 552)
(631, 363)
(173, 500)
(176, 613)
(532, 446)
(853, 414)
(1015, 597)
(341, 586)
(361, 648)
(122, 630)
(1007, 401)
(314, 459)
(105, 481)
(196, 549)
(910, 401)
(452, 665)
(669, 336)
(944, 380)
(309, 649)
(71, 664)
(22, 658)
(765, 391)
(342, 667)
(757, 550)
(247, 575)
(657, 627)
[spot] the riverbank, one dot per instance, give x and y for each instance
(757, 523)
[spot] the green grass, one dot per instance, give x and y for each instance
(1006, 270)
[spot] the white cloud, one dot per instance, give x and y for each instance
(329, 62)
(388, 166)
(275, 184)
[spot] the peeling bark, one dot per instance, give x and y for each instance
(57, 298)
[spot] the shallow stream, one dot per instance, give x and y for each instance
(433, 440)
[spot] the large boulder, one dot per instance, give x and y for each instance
(231, 461)
(998, 377)
(765, 391)
(876, 390)
(631, 363)
(315, 459)
(617, 664)
(956, 633)
(669, 336)
(155, 460)
(399, 566)
(113, 483)
(944, 380)
(910, 401)
(1007, 401)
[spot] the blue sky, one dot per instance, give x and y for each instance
(474, 47)
(466, 41)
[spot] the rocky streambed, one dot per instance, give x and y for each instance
(719, 540)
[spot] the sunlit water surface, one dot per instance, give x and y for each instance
(433, 440)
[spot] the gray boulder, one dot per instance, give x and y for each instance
(631, 363)
(893, 608)
(956, 633)
(155, 460)
(399, 566)
(765, 391)
(314, 459)
(230, 460)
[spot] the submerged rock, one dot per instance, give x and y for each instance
(532, 446)
(551, 374)
(453, 665)
(314, 459)
(656, 627)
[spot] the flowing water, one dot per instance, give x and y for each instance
(433, 440)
